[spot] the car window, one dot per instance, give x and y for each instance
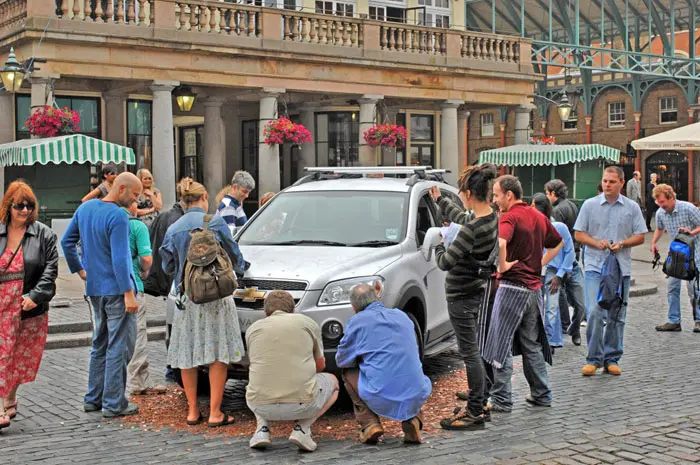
(425, 219)
(349, 218)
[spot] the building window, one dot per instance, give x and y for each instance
(422, 135)
(571, 124)
(442, 3)
(191, 150)
(87, 107)
(401, 153)
(668, 110)
(616, 114)
(138, 132)
(487, 126)
(334, 8)
(442, 21)
(337, 139)
(250, 151)
(377, 13)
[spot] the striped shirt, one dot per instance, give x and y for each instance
(231, 210)
(474, 242)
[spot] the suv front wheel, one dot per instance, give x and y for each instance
(419, 334)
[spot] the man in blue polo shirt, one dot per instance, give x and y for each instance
(102, 227)
(608, 223)
(231, 206)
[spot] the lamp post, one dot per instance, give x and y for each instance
(185, 98)
(12, 73)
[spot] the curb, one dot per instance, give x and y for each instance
(643, 289)
(86, 326)
(84, 338)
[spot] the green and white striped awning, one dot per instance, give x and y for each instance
(547, 155)
(75, 148)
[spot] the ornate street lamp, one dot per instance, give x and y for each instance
(569, 98)
(12, 73)
(564, 107)
(185, 98)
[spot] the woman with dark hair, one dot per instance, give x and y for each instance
(109, 174)
(206, 334)
(28, 270)
(467, 276)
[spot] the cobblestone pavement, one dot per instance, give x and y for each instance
(649, 415)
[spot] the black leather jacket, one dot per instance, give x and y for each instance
(40, 265)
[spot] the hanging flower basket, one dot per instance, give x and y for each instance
(281, 131)
(51, 122)
(386, 135)
(543, 141)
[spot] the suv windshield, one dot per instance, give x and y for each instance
(335, 218)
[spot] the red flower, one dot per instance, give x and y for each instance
(386, 135)
(283, 130)
(51, 122)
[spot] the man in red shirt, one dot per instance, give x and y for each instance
(517, 322)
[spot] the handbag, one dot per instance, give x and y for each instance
(16, 276)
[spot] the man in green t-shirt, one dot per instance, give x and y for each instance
(138, 382)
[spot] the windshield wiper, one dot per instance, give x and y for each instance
(309, 242)
(377, 243)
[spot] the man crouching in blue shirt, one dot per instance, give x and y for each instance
(382, 372)
(102, 227)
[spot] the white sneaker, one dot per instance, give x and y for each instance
(302, 439)
(261, 438)
(584, 324)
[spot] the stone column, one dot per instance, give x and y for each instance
(214, 159)
(462, 137)
(449, 143)
(6, 129)
(589, 133)
(42, 90)
(163, 160)
(389, 153)
(522, 123)
(368, 106)
(268, 155)
(114, 117)
(543, 124)
(308, 151)
(637, 132)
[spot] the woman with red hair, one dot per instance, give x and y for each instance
(28, 270)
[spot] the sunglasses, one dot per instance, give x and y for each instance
(21, 206)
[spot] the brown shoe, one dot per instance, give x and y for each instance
(589, 370)
(613, 370)
(371, 434)
(411, 431)
(150, 391)
(669, 327)
(696, 329)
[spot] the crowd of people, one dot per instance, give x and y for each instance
(514, 271)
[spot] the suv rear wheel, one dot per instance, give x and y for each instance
(419, 334)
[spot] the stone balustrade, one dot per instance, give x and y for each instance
(321, 29)
(485, 47)
(133, 12)
(413, 39)
(12, 12)
(217, 17)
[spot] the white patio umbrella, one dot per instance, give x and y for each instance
(683, 138)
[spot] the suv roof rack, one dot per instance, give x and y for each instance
(414, 173)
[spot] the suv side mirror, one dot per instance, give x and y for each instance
(432, 239)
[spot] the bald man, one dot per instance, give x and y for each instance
(102, 228)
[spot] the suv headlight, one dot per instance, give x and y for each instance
(338, 292)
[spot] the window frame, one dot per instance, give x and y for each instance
(663, 111)
(573, 118)
(484, 124)
(616, 123)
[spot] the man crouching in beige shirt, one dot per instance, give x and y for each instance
(286, 380)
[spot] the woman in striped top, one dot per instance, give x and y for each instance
(467, 274)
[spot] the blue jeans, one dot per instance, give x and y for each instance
(112, 346)
(572, 286)
(674, 300)
(605, 329)
(552, 323)
(534, 366)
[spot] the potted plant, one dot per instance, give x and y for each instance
(543, 140)
(49, 121)
(283, 130)
(386, 135)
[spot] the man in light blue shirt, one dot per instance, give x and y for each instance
(383, 373)
(674, 216)
(608, 223)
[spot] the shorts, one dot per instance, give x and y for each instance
(297, 411)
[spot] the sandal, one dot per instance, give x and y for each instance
(197, 421)
(4, 424)
(228, 420)
(11, 409)
(462, 419)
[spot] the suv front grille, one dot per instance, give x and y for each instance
(272, 285)
(257, 305)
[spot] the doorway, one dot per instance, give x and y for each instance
(671, 168)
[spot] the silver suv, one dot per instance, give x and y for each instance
(338, 227)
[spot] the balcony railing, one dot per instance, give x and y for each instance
(231, 24)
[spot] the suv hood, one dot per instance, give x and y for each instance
(316, 264)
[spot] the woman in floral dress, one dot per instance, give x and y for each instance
(150, 200)
(28, 270)
(203, 334)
